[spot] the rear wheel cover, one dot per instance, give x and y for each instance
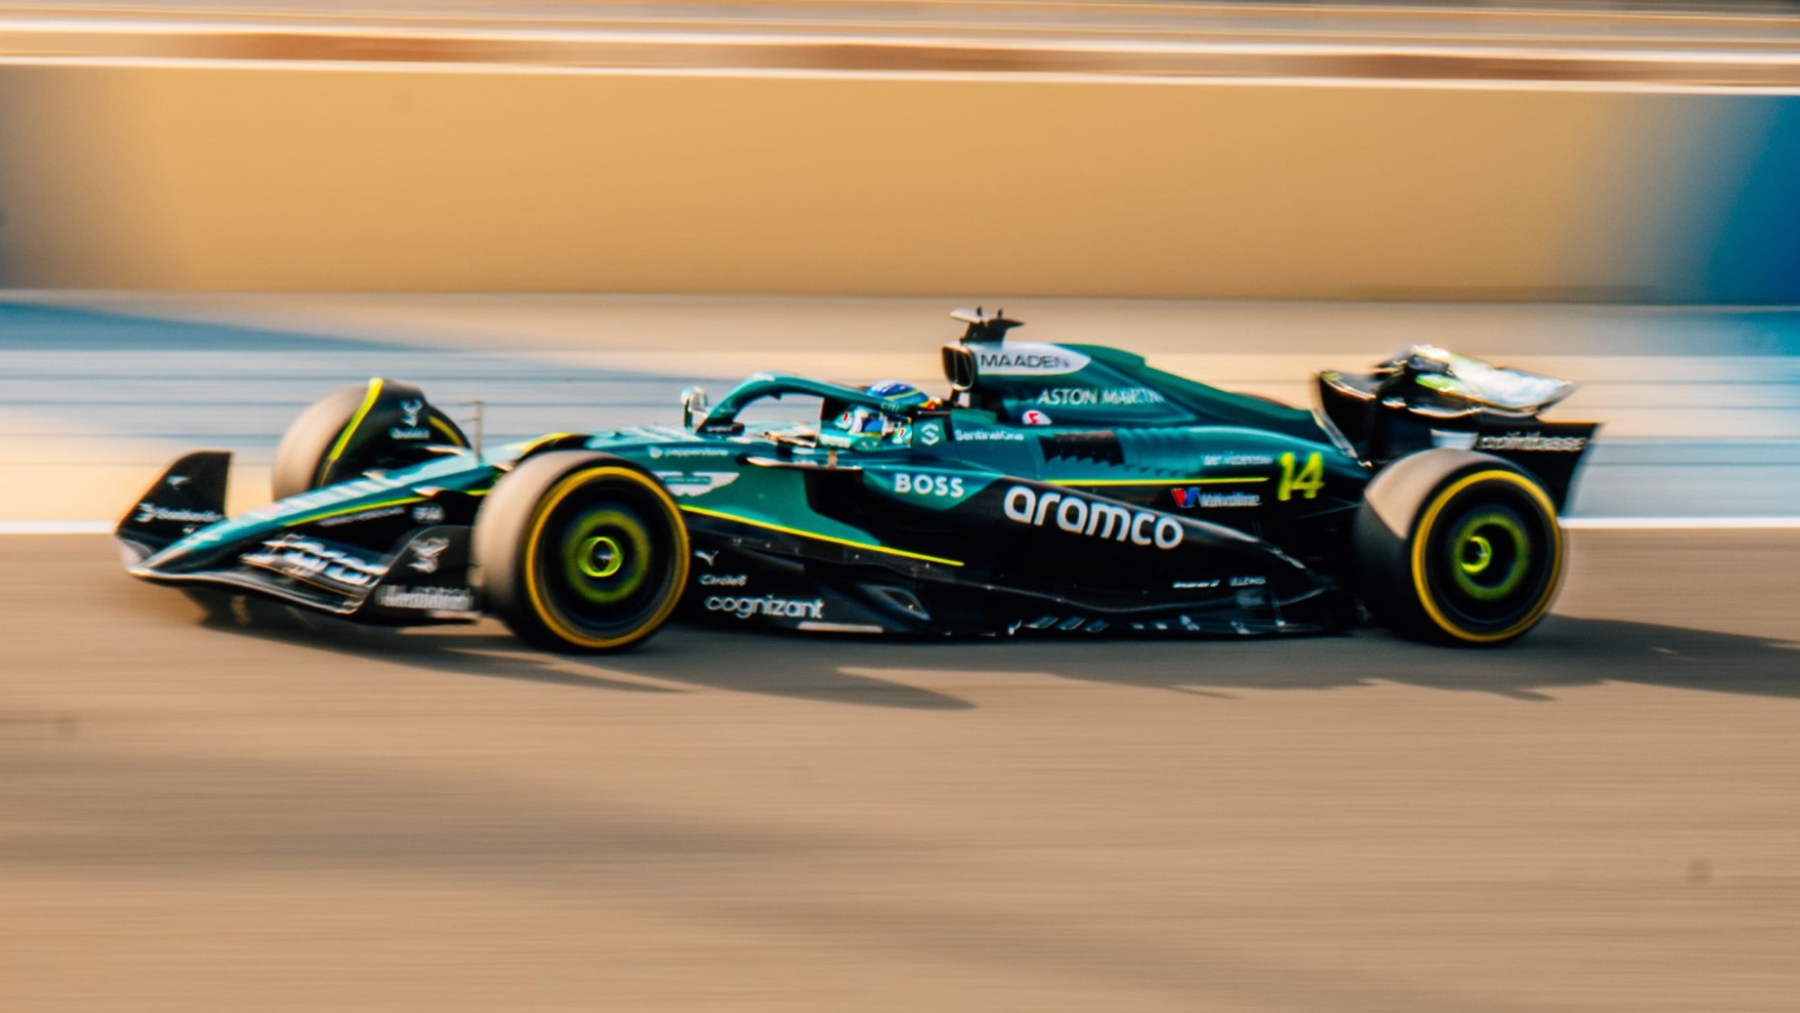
(1486, 556)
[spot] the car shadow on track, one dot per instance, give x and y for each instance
(690, 656)
(1563, 653)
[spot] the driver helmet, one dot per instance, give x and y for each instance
(861, 421)
(902, 393)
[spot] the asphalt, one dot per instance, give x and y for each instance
(199, 814)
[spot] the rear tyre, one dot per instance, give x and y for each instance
(578, 551)
(1457, 547)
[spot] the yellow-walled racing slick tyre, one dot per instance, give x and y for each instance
(1456, 547)
(581, 552)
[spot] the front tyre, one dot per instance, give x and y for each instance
(1457, 547)
(578, 551)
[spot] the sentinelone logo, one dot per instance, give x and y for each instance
(1092, 519)
(781, 608)
(1534, 442)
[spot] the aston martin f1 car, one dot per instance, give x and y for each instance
(1054, 489)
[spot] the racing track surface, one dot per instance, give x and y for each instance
(208, 816)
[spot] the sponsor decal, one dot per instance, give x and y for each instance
(1533, 443)
(1195, 496)
(1091, 518)
(148, 512)
(931, 433)
(1236, 460)
(1018, 358)
(660, 452)
(707, 556)
(1109, 396)
(425, 553)
(781, 608)
(725, 579)
(695, 483)
(177, 481)
(1033, 417)
(980, 435)
(426, 599)
(1247, 582)
(366, 515)
(428, 513)
(1194, 585)
(315, 562)
(409, 428)
(929, 485)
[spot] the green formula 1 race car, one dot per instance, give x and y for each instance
(1055, 489)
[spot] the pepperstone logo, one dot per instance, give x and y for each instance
(1533, 442)
(779, 608)
(1091, 518)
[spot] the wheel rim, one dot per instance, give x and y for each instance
(1492, 553)
(606, 557)
(1488, 557)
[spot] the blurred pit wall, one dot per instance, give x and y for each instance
(427, 178)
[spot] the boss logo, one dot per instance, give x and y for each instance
(929, 485)
(1079, 516)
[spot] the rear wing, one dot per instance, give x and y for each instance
(1426, 397)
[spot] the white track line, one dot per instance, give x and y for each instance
(57, 527)
(1680, 523)
(1570, 523)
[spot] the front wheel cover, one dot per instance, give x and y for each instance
(578, 551)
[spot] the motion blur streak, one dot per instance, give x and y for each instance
(273, 818)
(1353, 173)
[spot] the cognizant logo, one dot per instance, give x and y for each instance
(1096, 520)
(782, 608)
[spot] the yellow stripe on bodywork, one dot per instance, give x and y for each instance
(452, 435)
(359, 508)
(823, 538)
(356, 421)
(1155, 481)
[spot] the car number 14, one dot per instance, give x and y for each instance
(1308, 482)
